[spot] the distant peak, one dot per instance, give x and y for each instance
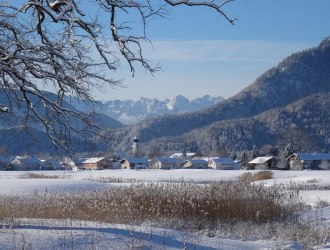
(181, 98)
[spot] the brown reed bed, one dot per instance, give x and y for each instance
(163, 202)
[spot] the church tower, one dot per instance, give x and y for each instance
(135, 145)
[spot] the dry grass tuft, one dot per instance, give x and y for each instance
(263, 175)
(32, 175)
(37, 176)
(259, 176)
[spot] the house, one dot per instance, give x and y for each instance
(69, 165)
(4, 163)
(80, 162)
(51, 164)
(223, 163)
(95, 163)
(262, 163)
(134, 163)
(115, 165)
(167, 163)
(16, 163)
(31, 163)
(301, 161)
(195, 164)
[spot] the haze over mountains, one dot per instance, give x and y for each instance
(291, 96)
(18, 110)
(18, 140)
(130, 112)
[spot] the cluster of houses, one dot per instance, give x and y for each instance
(28, 163)
(297, 161)
(176, 161)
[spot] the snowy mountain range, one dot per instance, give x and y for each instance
(130, 112)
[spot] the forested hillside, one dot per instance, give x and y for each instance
(305, 124)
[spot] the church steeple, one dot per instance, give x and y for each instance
(135, 145)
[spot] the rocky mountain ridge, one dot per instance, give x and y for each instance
(130, 111)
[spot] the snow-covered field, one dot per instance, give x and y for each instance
(50, 234)
(65, 234)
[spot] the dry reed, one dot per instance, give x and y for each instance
(164, 202)
(258, 176)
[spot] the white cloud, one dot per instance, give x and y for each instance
(221, 50)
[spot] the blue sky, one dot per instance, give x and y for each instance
(200, 53)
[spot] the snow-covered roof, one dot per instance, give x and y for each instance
(15, 161)
(81, 160)
(201, 158)
(93, 160)
(261, 160)
(313, 156)
(135, 160)
(168, 160)
(223, 160)
(53, 162)
(20, 158)
(197, 161)
(32, 160)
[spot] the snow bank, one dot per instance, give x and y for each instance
(28, 186)
(59, 234)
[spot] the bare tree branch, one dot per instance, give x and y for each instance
(216, 5)
(55, 45)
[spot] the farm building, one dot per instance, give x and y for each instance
(301, 161)
(223, 163)
(195, 164)
(134, 163)
(31, 163)
(95, 163)
(51, 164)
(266, 162)
(167, 163)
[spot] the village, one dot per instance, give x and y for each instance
(179, 160)
(185, 160)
